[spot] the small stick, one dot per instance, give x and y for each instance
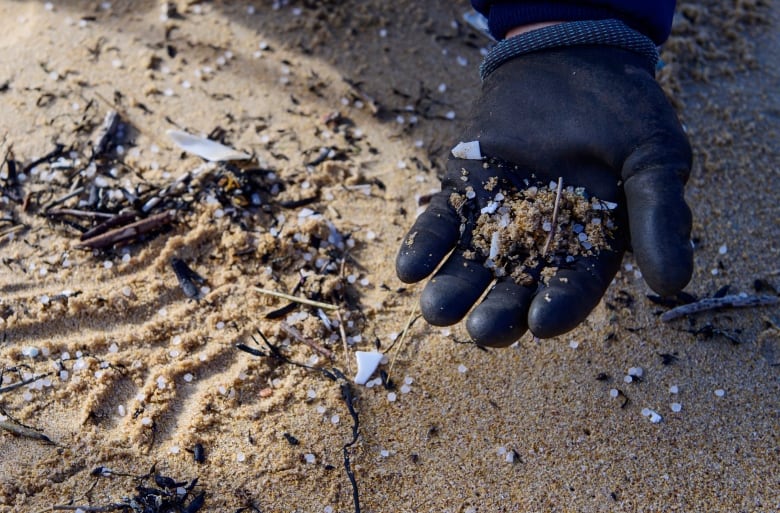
(297, 335)
(712, 303)
(554, 217)
(113, 221)
(401, 339)
(110, 507)
(76, 213)
(302, 300)
(20, 384)
(63, 199)
(12, 229)
(127, 232)
(26, 432)
(344, 341)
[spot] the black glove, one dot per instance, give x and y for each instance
(595, 116)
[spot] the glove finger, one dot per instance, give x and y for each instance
(451, 293)
(500, 319)
(431, 237)
(571, 294)
(660, 223)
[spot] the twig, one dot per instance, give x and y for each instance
(297, 335)
(712, 303)
(128, 232)
(12, 229)
(56, 152)
(302, 300)
(554, 217)
(63, 199)
(109, 507)
(76, 212)
(25, 432)
(113, 221)
(400, 340)
(344, 341)
(20, 384)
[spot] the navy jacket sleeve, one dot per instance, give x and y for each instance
(653, 18)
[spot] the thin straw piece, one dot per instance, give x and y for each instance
(302, 300)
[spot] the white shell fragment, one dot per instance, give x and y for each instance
(205, 148)
(367, 362)
(467, 150)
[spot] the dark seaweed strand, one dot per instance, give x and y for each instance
(348, 396)
(346, 393)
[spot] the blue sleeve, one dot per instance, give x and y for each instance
(652, 18)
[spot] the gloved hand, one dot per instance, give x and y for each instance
(595, 116)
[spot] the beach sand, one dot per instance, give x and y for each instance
(134, 373)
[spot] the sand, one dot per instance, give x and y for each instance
(151, 372)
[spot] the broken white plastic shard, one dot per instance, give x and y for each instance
(467, 150)
(495, 244)
(367, 362)
(604, 205)
(205, 148)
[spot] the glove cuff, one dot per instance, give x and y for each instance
(602, 32)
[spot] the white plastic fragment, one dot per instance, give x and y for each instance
(367, 362)
(490, 208)
(467, 150)
(495, 245)
(653, 415)
(205, 148)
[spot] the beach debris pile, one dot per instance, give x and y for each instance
(517, 232)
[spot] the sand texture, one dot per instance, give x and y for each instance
(110, 367)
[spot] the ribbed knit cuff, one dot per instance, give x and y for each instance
(576, 33)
